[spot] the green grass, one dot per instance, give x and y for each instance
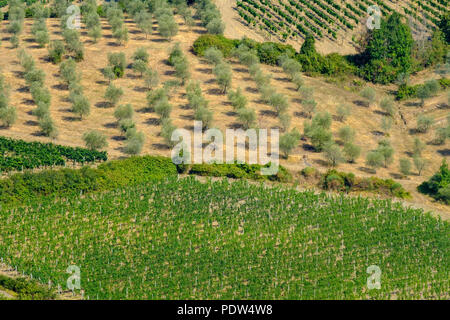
(182, 239)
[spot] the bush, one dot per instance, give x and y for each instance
(95, 140)
(118, 62)
(56, 51)
(438, 185)
(223, 44)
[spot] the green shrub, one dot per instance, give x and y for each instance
(21, 187)
(438, 185)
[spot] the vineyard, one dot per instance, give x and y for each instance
(332, 19)
(19, 155)
(183, 239)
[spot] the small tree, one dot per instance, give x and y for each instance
(387, 104)
(247, 117)
(213, 55)
(181, 66)
(424, 123)
(35, 75)
(405, 166)
(95, 33)
(8, 116)
(140, 67)
(285, 121)
(237, 98)
(423, 92)
(167, 128)
(297, 79)
(215, 26)
(121, 35)
(48, 127)
(141, 54)
(108, 73)
(288, 142)
(309, 107)
(387, 151)
(95, 140)
(420, 164)
(151, 78)
(118, 62)
(124, 111)
(351, 152)
(279, 102)
(134, 144)
(369, 94)
(205, 116)
(342, 112)
(113, 94)
(167, 26)
(346, 134)
(386, 124)
(418, 147)
(223, 75)
(56, 51)
(333, 154)
(42, 38)
(163, 108)
(374, 159)
(81, 106)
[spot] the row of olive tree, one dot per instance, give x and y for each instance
(34, 79)
(114, 15)
(210, 16)
(8, 115)
(39, 29)
(16, 18)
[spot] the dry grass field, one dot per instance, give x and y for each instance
(366, 121)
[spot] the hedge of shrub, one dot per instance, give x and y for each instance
(348, 182)
(238, 171)
(21, 187)
(408, 92)
(269, 52)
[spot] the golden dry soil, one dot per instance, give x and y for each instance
(366, 121)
